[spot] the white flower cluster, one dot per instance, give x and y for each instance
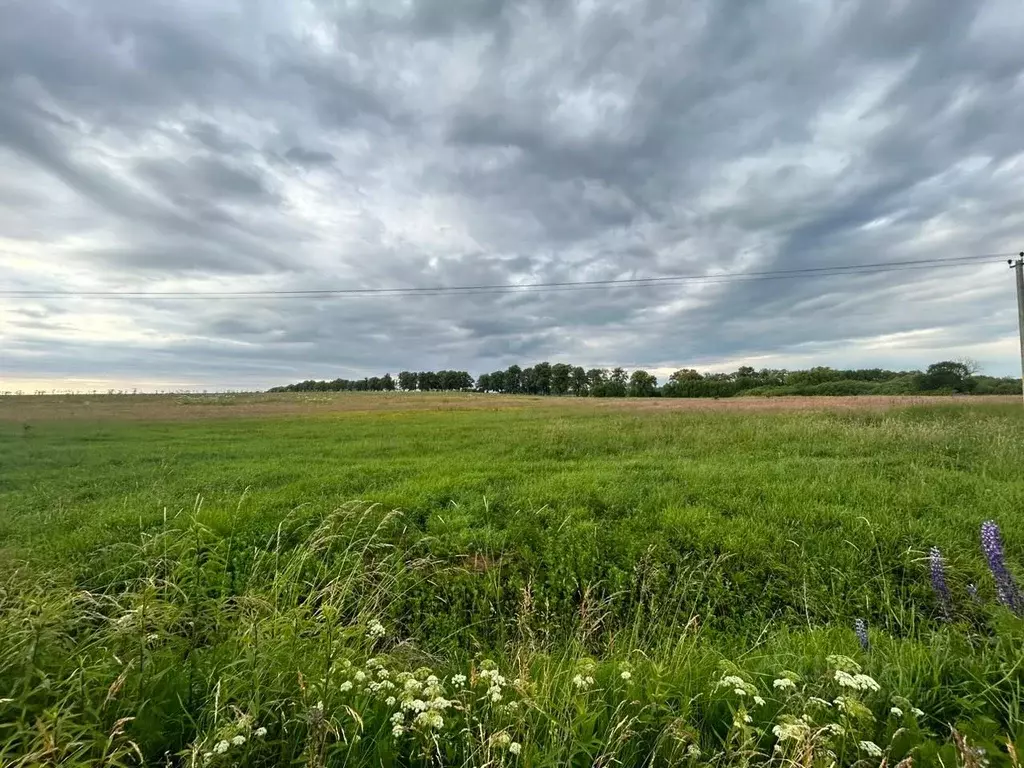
(375, 630)
(857, 682)
(793, 730)
(738, 685)
(503, 740)
(421, 694)
(494, 680)
(783, 684)
(583, 681)
(872, 749)
(240, 728)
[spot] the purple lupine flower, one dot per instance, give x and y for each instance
(938, 571)
(992, 546)
(861, 628)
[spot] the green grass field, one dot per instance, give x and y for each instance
(595, 573)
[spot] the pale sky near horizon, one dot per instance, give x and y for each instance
(212, 145)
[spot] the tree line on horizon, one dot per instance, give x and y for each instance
(561, 379)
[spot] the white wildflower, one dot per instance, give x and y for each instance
(430, 719)
(896, 711)
(383, 674)
(398, 718)
(845, 679)
(758, 701)
(845, 663)
(260, 732)
(833, 729)
(501, 739)
(515, 748)
(346, 686)
(375, 630)
(866, 683)
(389, 701)
(916, 712)
(398, 730)
(794, 731)
(238, 740)
(432, 680)
(438, 703)
(626, 675)
(739, 692)
(221, 747)
(359, 676)
(819, 702)
(412, 685)
(495, 695)
(693, 751)
(732, 681)
(872, 749)
(458, 680)
(784, 683)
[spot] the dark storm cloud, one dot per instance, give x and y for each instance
(309, 157)
(193, 146)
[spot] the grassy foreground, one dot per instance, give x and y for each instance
(615, 587)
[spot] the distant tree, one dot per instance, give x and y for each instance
(578, 382)
(483, 382)
(817, 375)
(498, 381)
(642, 384)
(616, 386)
(387, 383)
(597, 382)
(528, 381)
(542, 378)
(685, 382)
(949, 374)
(560, 378)
(407, 381)
(745, 372)
(514, 379)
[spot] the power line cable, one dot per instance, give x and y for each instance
(513, 288)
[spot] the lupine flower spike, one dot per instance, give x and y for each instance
(861, 628)
(938, 572)
(992, 546)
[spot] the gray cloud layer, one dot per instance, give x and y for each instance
(200, 145)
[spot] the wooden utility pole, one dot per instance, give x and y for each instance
(1018, 268)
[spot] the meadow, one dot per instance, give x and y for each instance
(406, 579)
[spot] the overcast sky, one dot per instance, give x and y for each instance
(249, 145)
